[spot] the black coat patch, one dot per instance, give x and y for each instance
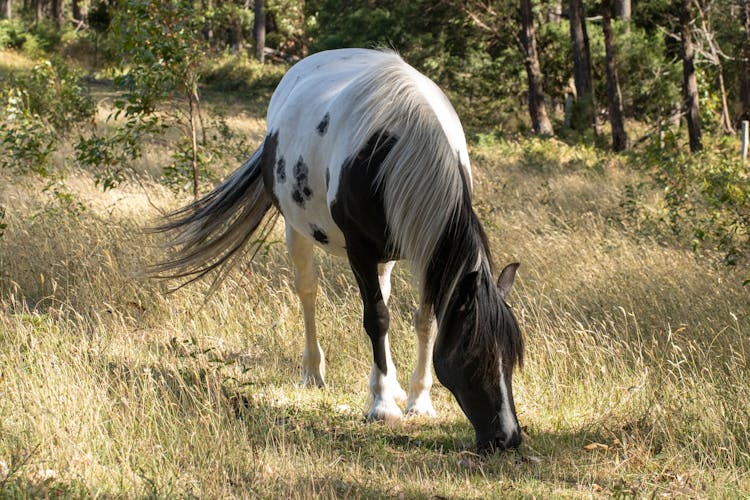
(302, 191)
(281, 171)
(328, 177)
(322, 127)
(318, 234)
(358, 209)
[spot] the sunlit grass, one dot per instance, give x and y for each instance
(636, 379)
(12, 61)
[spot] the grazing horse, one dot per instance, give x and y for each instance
(366, 158)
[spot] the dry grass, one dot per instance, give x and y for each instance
(636, 381)
(11, 61)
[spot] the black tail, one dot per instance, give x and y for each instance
(214, 231)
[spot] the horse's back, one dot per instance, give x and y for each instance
(314, 138)
(325, 111)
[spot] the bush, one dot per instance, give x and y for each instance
(705, 196)
(26, 140)
(36, 109)
(14, 35)
(53, 92)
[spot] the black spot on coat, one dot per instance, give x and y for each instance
(302, 191)
(322, 127)
(318, 234)
(281, 171)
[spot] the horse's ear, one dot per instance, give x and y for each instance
(505, 281)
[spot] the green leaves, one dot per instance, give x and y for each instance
(706, 197)
(38, 108)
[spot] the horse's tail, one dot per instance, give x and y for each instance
(213, 232)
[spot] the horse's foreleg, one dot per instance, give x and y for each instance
(376, 319)
(306, 286)
(384, 279)
(421, 380)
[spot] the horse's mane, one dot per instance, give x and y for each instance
(495, 339)
(427, 188)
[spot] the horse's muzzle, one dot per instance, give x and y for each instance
(499, 443)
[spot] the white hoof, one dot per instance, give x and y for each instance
(384, 411)
(422, 406)
(313, 379)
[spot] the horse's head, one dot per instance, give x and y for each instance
(478, 345)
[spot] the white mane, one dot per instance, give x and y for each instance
(421, 175)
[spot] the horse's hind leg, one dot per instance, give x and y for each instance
(306, 286)
(384, 279)
(421, 381)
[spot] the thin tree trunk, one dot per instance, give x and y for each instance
(57, 12)
(76, 11)
(554, 12)
(537, 109)
(745, 63)
(586, 104)
(622, 9)
(259, 31)
(194, 145)
(38, 10)
(5, 9)
(689, 83)
(614, 97)
(726, 117)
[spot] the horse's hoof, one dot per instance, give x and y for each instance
(422, 407)
(313, 380)
(384, 411)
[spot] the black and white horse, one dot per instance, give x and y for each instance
(366, 158)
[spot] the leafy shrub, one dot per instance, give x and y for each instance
(47, 34)
(27, 141)
(53, 92)
(35, 109)
(706, 197)
(12, 34)
(109, 156)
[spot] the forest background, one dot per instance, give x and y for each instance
(607, 143)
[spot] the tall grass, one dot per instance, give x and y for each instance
(636, 381)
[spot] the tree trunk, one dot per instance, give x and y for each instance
(614, 97)
(57, 12)
(584, 114)
(537, 109)
(622, 9)
(745, 64)
(5, 9)
(38, 10)
(76, 11)
(689, 84)
(193, 144)
(554, 11)
(259, 31)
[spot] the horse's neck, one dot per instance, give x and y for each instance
(461, 250)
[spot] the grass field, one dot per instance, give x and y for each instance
(636, 380)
